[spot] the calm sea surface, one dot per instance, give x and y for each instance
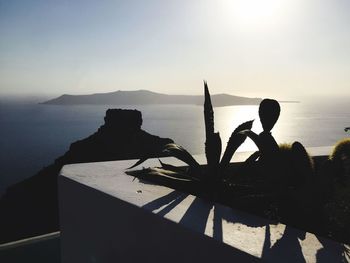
(34, 135)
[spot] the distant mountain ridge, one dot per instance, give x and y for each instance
(146, 97)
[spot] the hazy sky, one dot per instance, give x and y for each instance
(281, 48)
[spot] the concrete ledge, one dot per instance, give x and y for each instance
(108, 216)
(29, 241)
(39, 249)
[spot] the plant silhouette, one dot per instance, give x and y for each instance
(280, 182)
(337, 207)
(269, 111)
(213, 175)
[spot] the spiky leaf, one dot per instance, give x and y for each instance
(208, 112)
(137, 163)
(195, 175)
(236, 139)
(160, 172)
(168, 166)
(180, 153)
(253, 136)
(212, 140)
(253, 157)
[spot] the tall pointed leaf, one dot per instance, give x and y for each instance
(212, 140)
(236, 139)
(208, 111)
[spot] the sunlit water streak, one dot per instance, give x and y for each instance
(33, 135)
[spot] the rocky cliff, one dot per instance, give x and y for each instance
(30, 207)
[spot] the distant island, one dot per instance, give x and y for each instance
(146, 97)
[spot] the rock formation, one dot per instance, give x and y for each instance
(30, 207)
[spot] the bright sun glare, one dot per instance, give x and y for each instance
(257, 14)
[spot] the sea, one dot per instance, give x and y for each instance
(33, 135)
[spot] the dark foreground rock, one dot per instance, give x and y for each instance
(30, 207)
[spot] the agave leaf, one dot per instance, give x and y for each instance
(253, 136)
(253, 157)
(168, 173)
(156, 171)
(180, 153)
(137, 163)
(237, 137)
(168, 166)
(212, 140)
(208, 111)
(213, 153)
(193, 174)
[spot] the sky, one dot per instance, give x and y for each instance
(258, 48)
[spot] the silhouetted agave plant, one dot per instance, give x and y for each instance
(215, 171)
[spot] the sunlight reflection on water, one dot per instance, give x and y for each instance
(228, 118)
(308, 123)
(46, 131)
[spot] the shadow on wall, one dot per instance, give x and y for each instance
(285, 249)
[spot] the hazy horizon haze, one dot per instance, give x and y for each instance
(272, 48)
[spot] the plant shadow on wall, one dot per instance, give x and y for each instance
(278, 182)
(273, 249)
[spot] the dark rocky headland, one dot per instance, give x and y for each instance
(30, 207)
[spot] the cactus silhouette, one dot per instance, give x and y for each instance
(342, 148)
(340, 158)
(269, 111)
(296, 163)
(337, 208)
